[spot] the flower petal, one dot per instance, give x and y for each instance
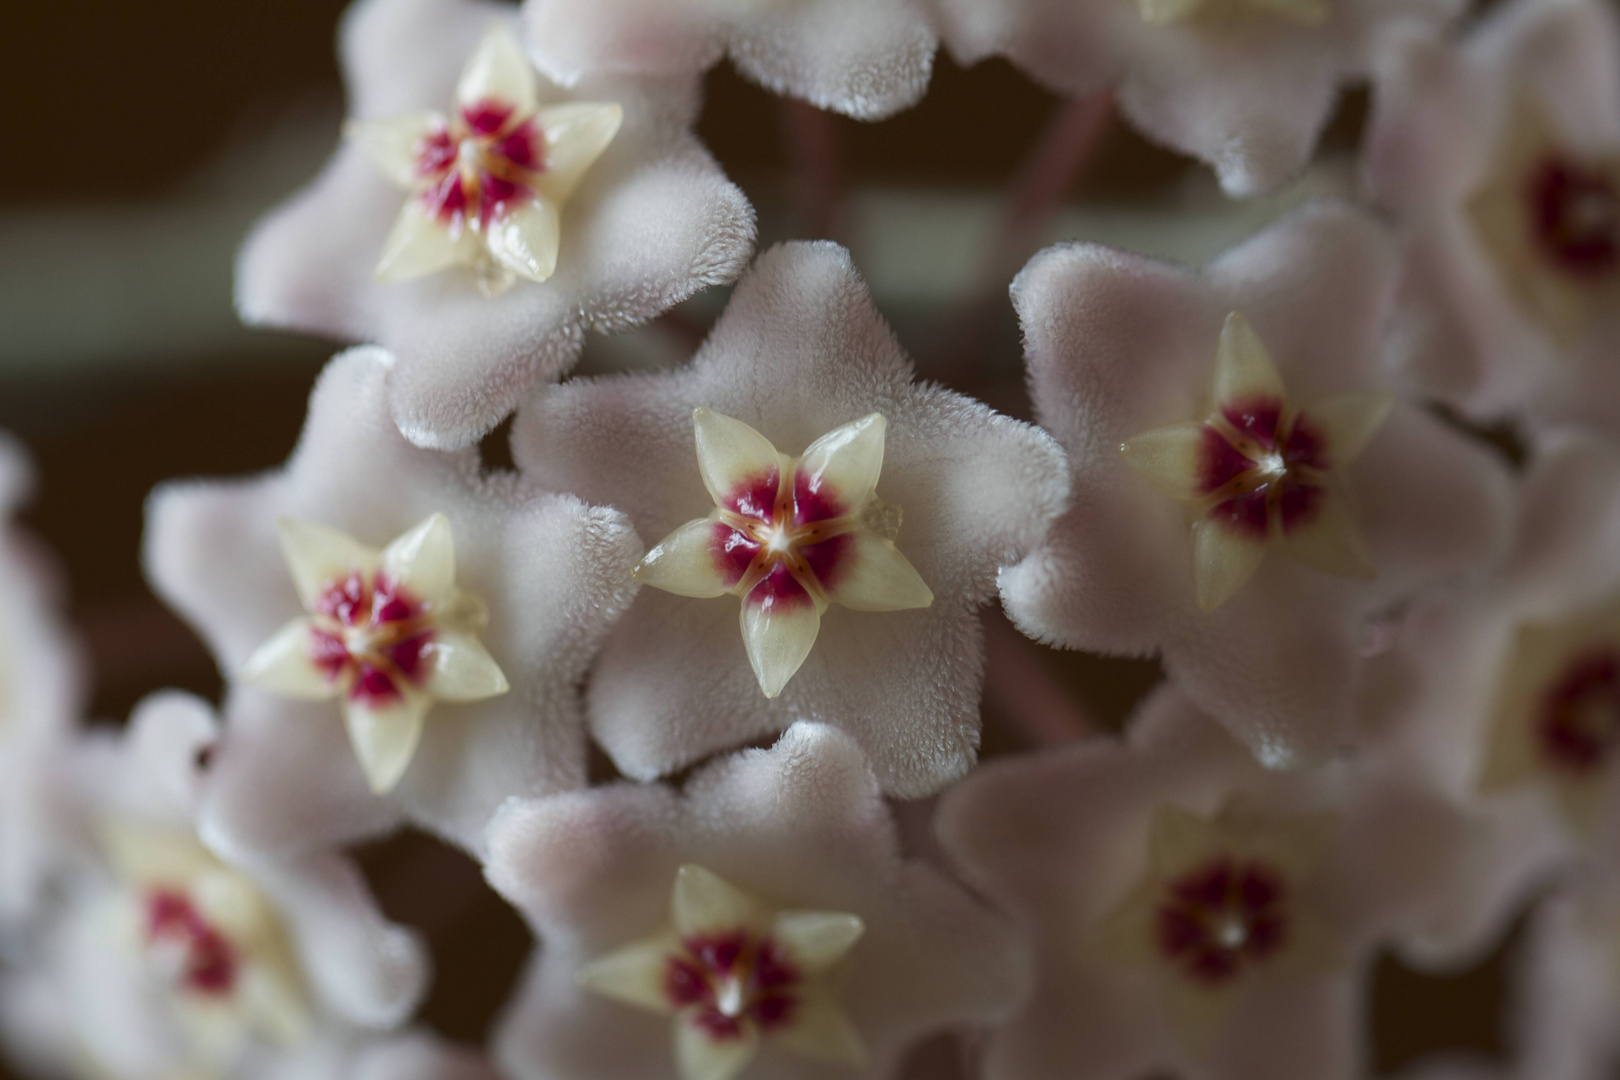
(318, 555)
(1243, 367)
(731, 455)
(843, 465)
(878, 577)
(419, 244)
(1169, 457)
(683, 563)
(499, 72)
(423, 560)
(822, 1031)
(525, 239)
(1331, 541)
(463, 670)
(817, 939)
(1347, 421)
(283, 666)
(391, 144)
(706, 903)
(385, 736)
(576, 134)
(1222, 561)
(778, 637)
(702, 1058)
(633, 975)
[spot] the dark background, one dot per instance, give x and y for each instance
(123, 112)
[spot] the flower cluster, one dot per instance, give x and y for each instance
(755, 582)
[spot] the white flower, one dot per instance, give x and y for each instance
(597, 207)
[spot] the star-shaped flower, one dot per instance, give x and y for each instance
(387, 633)
(165, 958)
(802, 361)
(1260, 469)
(1192, 912)
(489, 181)
(863, 58)
(1244, 85)
(1500, 157)
(1505, 698)
(598, 203)
(532, 584)
(789, 536)
(1120, 346)
(733, 972)
(799, 938)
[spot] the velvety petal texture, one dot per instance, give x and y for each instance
(1484, 695)
(1246, 88)
(1192, 912)
(800, 352)
(165, 957)
(1119, 345)
(542, 576)
(1483, 149)
(649, 222)
(863, 58)
(801, 828)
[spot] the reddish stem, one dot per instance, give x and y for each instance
(810, 136)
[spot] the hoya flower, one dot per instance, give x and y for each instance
(1274, 510)
(864, 58)
(1501, 158)
(1244, 85)
(41, 692)
(403, 635)
(758, 923)
(167, 959)
(1506, 697)
(1192, 912)
(789, 536)
(814, 471)
(478, 220)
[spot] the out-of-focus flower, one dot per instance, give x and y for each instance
(1307, 456)
(1506, 697)
(166, 959)
(42, 689)
(599, 204)
(799, 353)
(798, 936)
(1568, 989)
(1193, 912)
(283, 577)
(1501, 158)
(1245, 85)
(864, 58)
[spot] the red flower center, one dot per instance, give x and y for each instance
(480, 164)
(1215, 920)
(727, 982)
(1261, 467)
(1574, 213)
(371, 635)
(1579, 721)
(196, 956)
(780, 544)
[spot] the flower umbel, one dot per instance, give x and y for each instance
(1550, 218)
(388, 633)
(1259, 470)
(731, 972)
(489, 181)
(789, 536)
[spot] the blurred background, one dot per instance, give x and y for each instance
(144, 140)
